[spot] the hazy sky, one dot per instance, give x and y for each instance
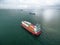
(17, 4)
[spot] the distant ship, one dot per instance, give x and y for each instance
(34, 29)
(31, 13)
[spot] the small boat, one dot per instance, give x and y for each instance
(34, 29)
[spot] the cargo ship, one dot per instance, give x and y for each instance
(34, 29)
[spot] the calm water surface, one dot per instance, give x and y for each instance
(11, 32)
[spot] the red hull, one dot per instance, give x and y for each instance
(32, 31)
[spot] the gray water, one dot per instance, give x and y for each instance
(11, 32)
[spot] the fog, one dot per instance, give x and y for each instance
(27, 4)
